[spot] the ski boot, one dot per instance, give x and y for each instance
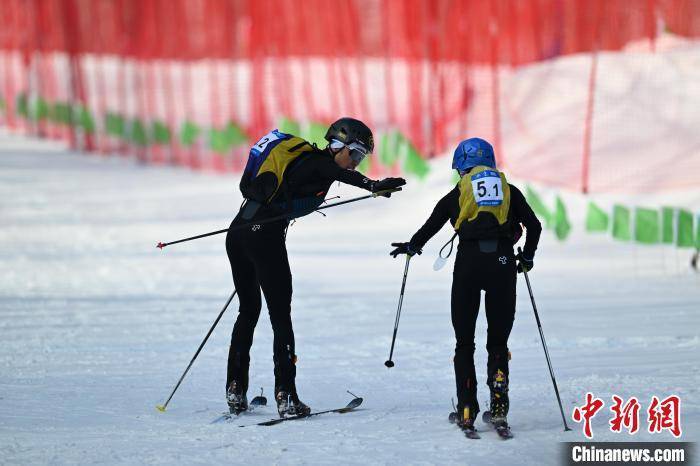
(236, 398)
(499, 398)
(464, 417)
(289, 404)
(497, 415)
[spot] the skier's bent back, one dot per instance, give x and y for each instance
(289, 177)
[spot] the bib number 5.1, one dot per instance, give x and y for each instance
(487, 188)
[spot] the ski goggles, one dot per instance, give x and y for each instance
(358, 152)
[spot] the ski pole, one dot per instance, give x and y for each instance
(544, 345)
(162, 407)
(279, 217)
(389, 363)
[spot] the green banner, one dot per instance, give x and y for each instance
(647, 226)
(667, 214)
(61, 113)
(684, 238)
(189, 133)
(315, 133)
(538, 206)
(562, 226)
(235, 134)
(388, 152)
(115, 125)
(596, 219)
(414, 163)
(218, 140)
(288, 126)
(22, 105)
(622, 226)
(137, 133)
(85, 120)
(41, 109)
(160, 132)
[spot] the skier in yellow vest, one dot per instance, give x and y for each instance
(486, 213)
(285, 176)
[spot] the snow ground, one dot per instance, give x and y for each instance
(97, 325)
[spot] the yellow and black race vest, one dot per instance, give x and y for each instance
(272, 154)
(483, 189)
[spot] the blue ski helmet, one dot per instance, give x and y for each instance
(472, 152)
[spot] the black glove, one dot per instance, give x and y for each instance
(387, 183)
(524, 263)
(403, 248)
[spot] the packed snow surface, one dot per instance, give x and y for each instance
(97, 326)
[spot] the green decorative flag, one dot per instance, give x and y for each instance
(622, 225)
(538, 206)
(315, 133)
(41, 109)
(288, 126)
(562, 226)
(23, 105)
(62, 113)
(137, 134)
(647, 226)
(596, 219)
(85, 119)
(414, 163)
(218, 141)
(667, 225)
(189, 133)
(697, 232)
(160, 132)
(684, 238)
(389, 148)
(363, 167)
(235, 134)
(115, 125)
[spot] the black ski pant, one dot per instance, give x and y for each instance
(258, 257)
(495, 273)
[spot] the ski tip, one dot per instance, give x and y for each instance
(258, 401)
(160, 408)
(355, 402)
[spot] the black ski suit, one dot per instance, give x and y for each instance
(485, 261)
(258, 257)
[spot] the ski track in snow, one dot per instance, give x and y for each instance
(97, 326)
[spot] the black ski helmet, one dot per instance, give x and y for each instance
(348, 130)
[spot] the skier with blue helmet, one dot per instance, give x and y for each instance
(487, 214)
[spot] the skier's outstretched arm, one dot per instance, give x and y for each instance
(358, 179)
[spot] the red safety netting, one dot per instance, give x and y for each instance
(192, 81)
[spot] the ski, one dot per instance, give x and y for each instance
(255, 403)
(469, 432)
(502, 428)
(354, 403)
